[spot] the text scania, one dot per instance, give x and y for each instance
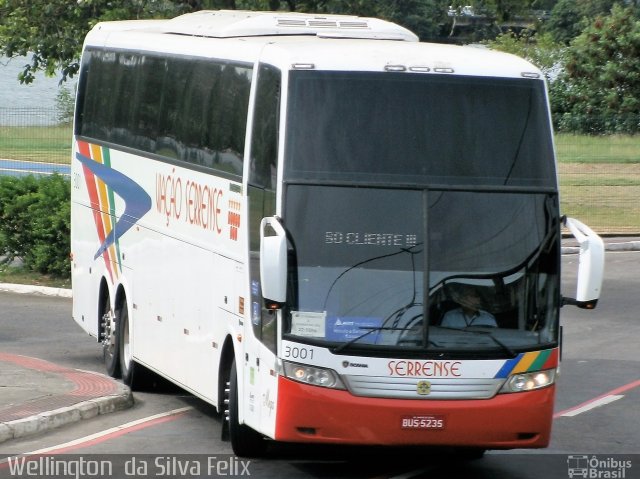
(194, 203)
(424, 369)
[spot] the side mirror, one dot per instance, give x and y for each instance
(273, 262)
(590, 267)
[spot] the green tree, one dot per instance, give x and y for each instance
(499, 10)
(599, 88)
(65, 100)
(539, 49)
(569, 17)
(52, 32)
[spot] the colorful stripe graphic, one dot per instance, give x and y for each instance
(531, 361)
(103, 183)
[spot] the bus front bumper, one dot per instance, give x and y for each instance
(314, 414)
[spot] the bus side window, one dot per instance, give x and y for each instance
(262, 190)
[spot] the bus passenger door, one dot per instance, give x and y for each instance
(260, 378)
(261, 334)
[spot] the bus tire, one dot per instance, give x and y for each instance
(245, 442)
(110, 340)
(133, 375)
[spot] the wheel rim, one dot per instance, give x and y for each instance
(109, 335)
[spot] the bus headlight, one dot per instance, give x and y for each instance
(529, 381)
(312, 375)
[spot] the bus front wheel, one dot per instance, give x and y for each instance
(244, 440)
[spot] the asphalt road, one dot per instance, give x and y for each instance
(597, 412)
(21, 168)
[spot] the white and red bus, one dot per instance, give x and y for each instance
(284, 213)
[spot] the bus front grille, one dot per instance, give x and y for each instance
(418, 388)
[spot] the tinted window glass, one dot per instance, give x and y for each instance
(262, 189)
(188, 109)
(362, 268)
(435, 129)
(264, 144)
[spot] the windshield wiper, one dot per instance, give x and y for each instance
(506, 348)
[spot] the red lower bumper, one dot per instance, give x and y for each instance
(313, 414)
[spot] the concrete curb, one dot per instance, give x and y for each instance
(61, 396)
(626, 246)
(30, 289)
(65, 415)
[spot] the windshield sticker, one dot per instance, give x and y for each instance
(370, 239)
(308, 324)
(352, 327)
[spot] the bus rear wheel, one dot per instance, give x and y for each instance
(245, 442)
(110, 343)
(133, 375)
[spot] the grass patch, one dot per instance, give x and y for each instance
(603, 195)
(45, 144)
(19, 275)
(573, 148)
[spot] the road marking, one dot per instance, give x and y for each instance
(29, 162)
(588, 407)
(107, 434)
(9, 166)
(601, 400)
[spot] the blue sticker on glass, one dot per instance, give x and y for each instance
(350, 327)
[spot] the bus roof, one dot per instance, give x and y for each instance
(243, 23)
(289, 40)
(233, 23)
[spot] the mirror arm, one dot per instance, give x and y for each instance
(566, 301)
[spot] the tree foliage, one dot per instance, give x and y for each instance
(51, 32)
(500, 10)
(569, 17)
(35, 222)
(539, 49)
(599, 88)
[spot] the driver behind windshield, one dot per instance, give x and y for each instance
(468, 313)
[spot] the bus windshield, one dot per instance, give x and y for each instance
(434, 215)
(412, 128)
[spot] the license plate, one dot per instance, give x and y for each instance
(422, 422)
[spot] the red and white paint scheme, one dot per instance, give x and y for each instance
(327, 229)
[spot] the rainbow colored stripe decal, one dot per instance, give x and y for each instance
(532, 361)
(103, 183)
